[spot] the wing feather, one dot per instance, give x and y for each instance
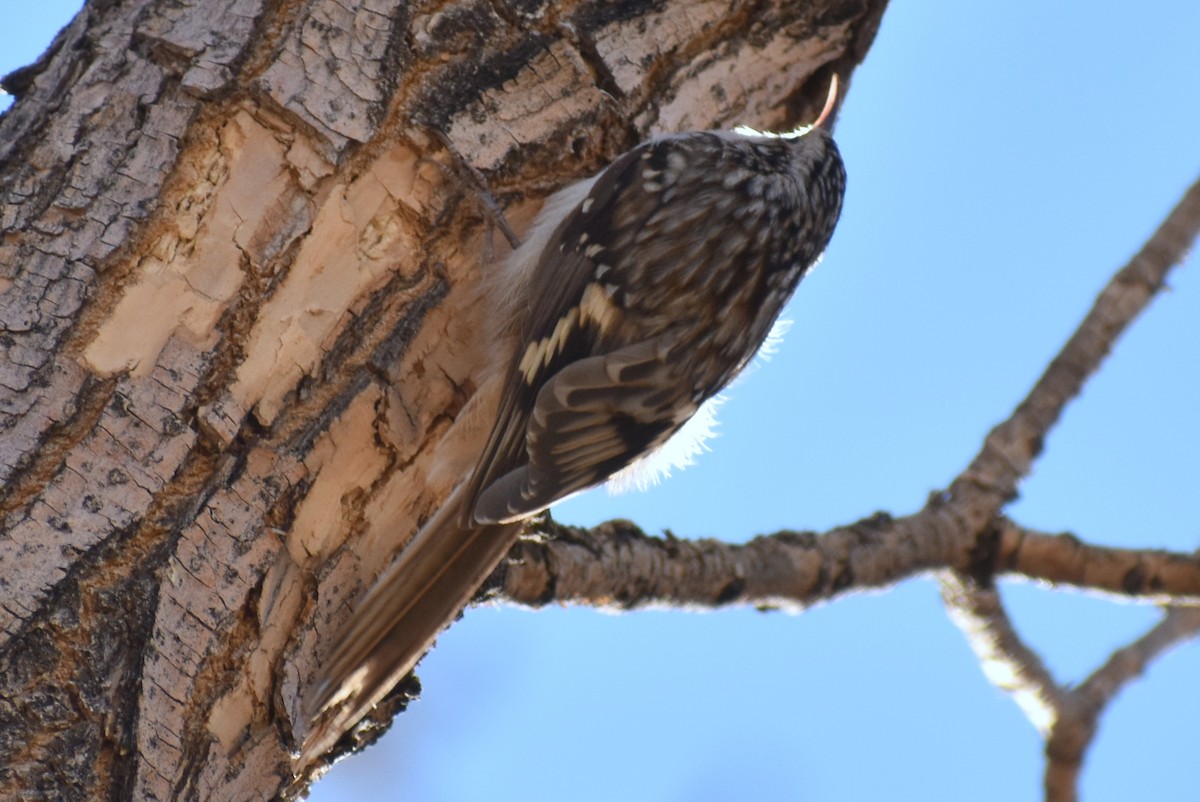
(592, 418)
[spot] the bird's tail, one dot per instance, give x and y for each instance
(395, 624)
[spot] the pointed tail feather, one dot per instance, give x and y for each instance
(395, 624)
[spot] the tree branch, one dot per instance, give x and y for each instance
(1007, 455)
(1006, 661)
(617, 565)
(1148, 575)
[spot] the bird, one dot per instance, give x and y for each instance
(636, 296)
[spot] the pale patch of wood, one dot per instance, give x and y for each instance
(231, 716)
(194, 269)
(362, 234)
(344, 460)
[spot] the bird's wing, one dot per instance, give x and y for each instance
(591, 419)
(565, 321)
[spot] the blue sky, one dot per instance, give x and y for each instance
(1004, 158)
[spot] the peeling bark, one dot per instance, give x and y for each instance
(236, 321)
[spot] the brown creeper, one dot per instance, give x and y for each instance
(640, 293)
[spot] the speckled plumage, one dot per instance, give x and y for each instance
(675, 265)
(641, 293)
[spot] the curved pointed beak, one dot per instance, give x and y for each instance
(830, 103)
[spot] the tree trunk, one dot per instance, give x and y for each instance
(236, 321)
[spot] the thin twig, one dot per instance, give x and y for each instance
(473, 182)
(1072, 734)
(1178, 624)
(1009, 450)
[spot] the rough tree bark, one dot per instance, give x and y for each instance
(236, 320)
